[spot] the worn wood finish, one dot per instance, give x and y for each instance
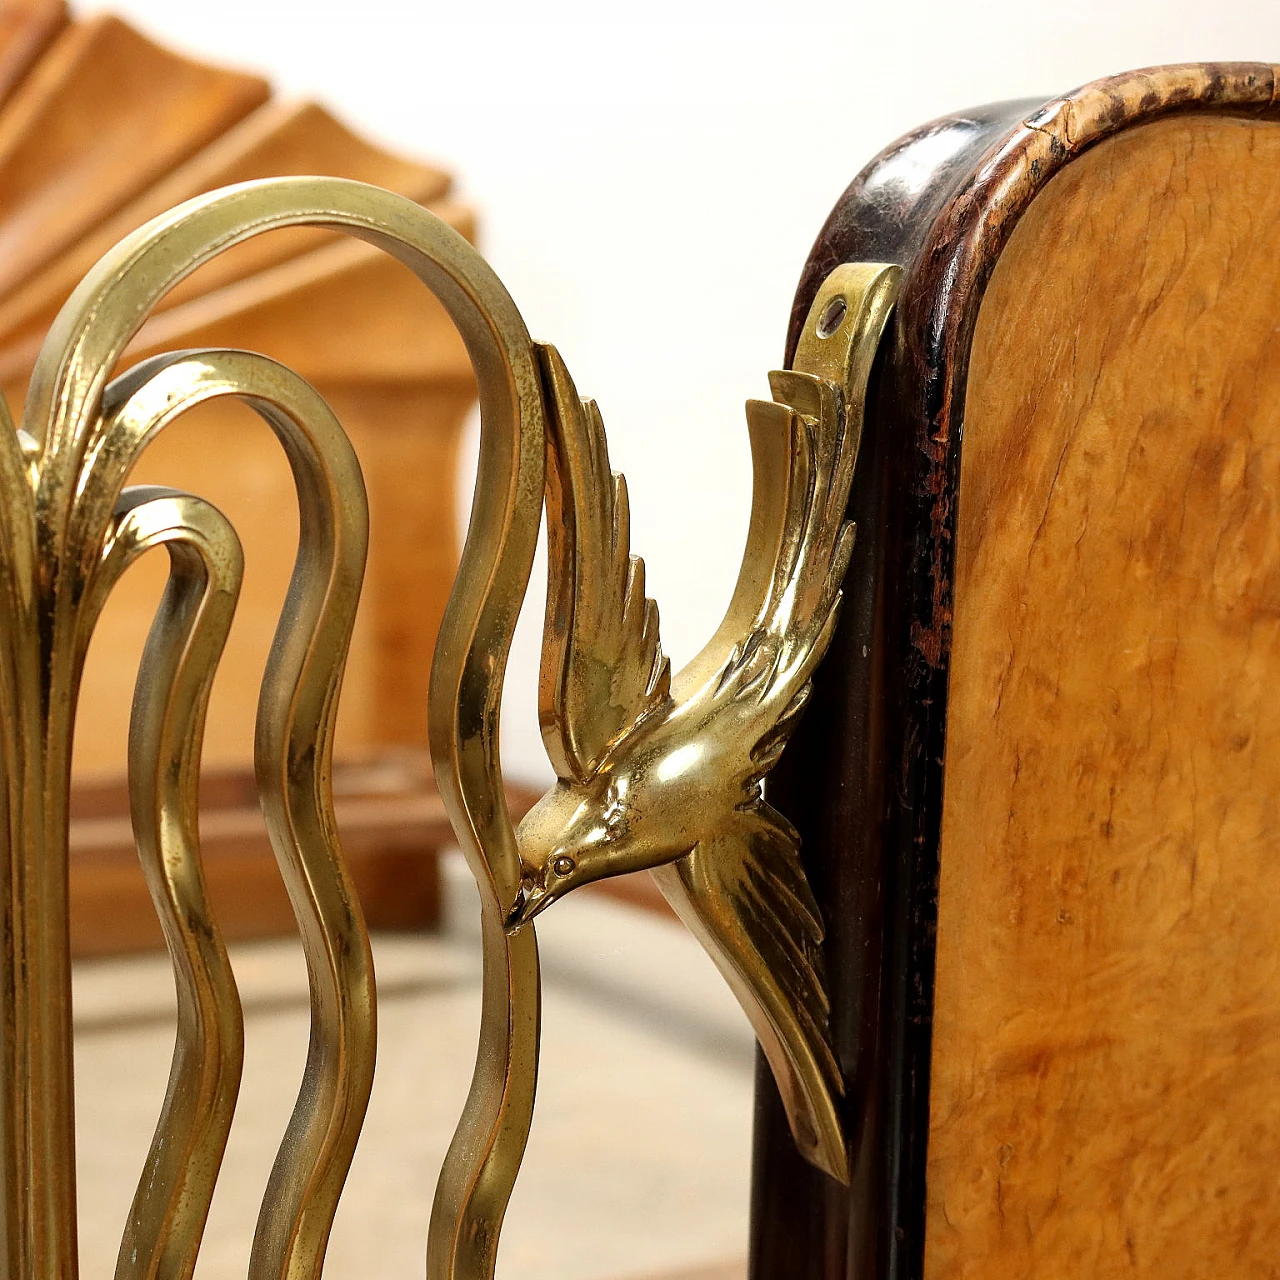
(864, 775)
(839, 779)
(1107, 1011)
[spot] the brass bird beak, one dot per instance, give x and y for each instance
(531, 899)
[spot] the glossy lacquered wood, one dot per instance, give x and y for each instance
(865, 777)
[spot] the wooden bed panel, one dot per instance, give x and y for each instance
(1105, 1094)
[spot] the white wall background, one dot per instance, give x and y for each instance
(649, 185)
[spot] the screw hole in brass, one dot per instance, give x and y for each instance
(832, 316)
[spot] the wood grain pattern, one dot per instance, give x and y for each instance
(1106, 1045)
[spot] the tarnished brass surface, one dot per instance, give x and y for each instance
(654, 772)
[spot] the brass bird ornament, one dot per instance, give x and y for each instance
(666, 774)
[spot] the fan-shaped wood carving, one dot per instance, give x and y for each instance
(100, 130)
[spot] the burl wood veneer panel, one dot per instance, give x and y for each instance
(1105, 1092)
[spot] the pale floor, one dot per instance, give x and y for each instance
(638, 1162)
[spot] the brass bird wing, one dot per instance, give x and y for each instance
(603, 668)
(803, 459)
(743, 890)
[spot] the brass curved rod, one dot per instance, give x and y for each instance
(166, 1221)
(296, 716)
(90, 333)
(33, 1131)
(65, 451)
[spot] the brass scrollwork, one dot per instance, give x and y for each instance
(654, 771)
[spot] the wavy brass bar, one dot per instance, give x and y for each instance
(68, 464)
(295, 730)
(295, 724)
(166, 1221)
(294, 749)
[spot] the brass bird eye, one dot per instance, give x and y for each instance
(563, 866)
